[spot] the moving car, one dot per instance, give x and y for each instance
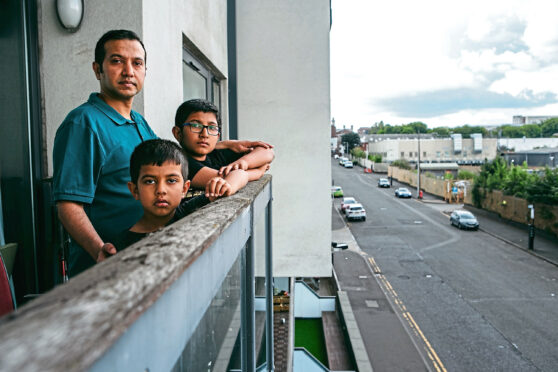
(348, 164)
(356, 212)
(336, 191)
(464, 220)
(346, 202)
(403, 192)
(383, 182)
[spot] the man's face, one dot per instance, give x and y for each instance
(123, 69)
(197, 145)
(160, 189)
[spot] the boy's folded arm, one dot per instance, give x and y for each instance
(226, 186)
(257, 173)
(255, 159)
(203, 176)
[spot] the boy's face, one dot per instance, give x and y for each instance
(197, 145)
(160, 188)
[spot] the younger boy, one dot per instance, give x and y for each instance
(159, 173)
(218, 172)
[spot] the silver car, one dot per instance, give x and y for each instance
(356, 212)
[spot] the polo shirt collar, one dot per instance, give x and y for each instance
(106, 109)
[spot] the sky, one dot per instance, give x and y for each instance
(442, 62)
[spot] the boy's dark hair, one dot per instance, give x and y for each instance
(156, 152)
(100, 51)
(195, 105)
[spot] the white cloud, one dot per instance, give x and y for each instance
(389, 49)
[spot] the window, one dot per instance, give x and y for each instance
(410, 154)
(438, 154)
(424, 154)
(198, 81)
(402, 154)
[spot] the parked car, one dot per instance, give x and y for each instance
(335, 156)
(336, 191)
(356, 212)
(348, 164)
(342, 160)
(346, 202)
(403, 192)
(383, 182)
(464, 220)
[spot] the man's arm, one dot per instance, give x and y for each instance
(79, 227)
(255, 159)
(239, 146)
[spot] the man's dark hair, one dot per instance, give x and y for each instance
(156, 152)
(100, 50)
(195, 105)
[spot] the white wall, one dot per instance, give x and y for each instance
(283, 96)
(308, 304)
(67, 77)
(164, 23)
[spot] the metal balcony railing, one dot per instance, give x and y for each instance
(180, 299)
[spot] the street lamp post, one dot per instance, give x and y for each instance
(532, 227)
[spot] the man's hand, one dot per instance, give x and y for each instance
(107, 250)
(242, 147)
(239, 164)
(216, 187)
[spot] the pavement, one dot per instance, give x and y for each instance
(389, 344)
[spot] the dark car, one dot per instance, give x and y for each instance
(464, 220)
(383, 182)
(403, 192)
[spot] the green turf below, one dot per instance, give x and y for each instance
(309, 334)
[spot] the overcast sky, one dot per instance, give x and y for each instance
(443, 62)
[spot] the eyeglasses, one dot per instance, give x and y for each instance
(212, 130)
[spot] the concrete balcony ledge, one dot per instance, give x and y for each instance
(74, 325)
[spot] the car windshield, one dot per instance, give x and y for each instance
(356, 209)
(467, 216)
(403, 190)
(350, 201)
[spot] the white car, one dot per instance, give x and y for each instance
(348, 164)
(347, 201)
(356, 212)
(342, 160)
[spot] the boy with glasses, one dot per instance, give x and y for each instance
(219, 172)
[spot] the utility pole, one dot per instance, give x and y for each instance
(418, 165)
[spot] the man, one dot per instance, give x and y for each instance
(92, 152)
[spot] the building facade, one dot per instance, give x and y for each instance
(435, 150)
(262, 62)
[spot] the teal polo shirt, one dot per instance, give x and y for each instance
(91, 161)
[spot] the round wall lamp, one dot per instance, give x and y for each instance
(70, 14)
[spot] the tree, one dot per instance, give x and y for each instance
(549, 127)
(441, 131)
(352, 139)
(418, 127)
